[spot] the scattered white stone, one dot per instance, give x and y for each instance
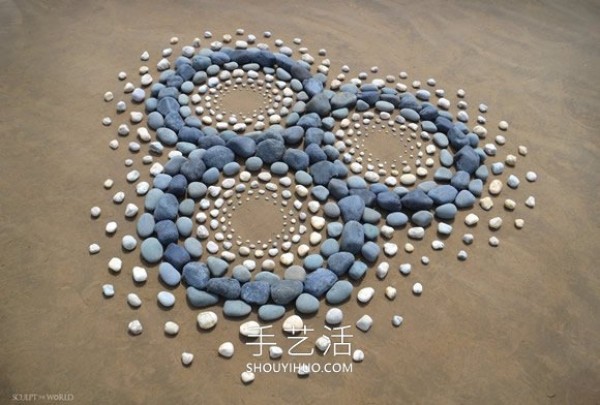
(293, 324)
(275, 352)
(365, 294)
(323, 343)
(119, 197)
(94, 248)
(250, 328)
(409, 248)
(139, 274)
(111, 227)
(287, 259)
(519, 223)
(207, 320)
(486, 203)
(115, 264)
(416, 232)
(108, 290)
(358, 355)
(531, 176)
(382, 270)
(397, 320)
(334, 316)
(128, 242)
(523, 150)
(405, 268)
(135, 327)
(503, 125)
(530, 201)
(387, 231)
(390, 249)
(303, 370)
(390, 292)
(108, 96)
(511, 160)
(364, 323)
(425, 260)
(417, 288)
(134, 300)
(468, 238)
(510, 204)
(437, 245)
(495, 187)
(187, 358)
(95, 212)
(114, 144)
(494, 241)
(226, 350)
(471, 219)
(462, 255)
(171, 328)
(317, 222)
(247, 377)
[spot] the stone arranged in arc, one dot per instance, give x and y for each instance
(303, 143)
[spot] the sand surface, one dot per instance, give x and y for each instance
(515, 324)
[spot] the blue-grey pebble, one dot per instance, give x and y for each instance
(217, 266)
(357, 270)
(267, 276)
(319, 282)
(199, 298)
(285, 291)
(193, 247)
(241, 274)
(334, 229)
(370, 251)
(396, 219)
(464, 199)
(313, 262)
(145, 225)
(236, 308)
(169, 274)
(226, 287)
(331, 210)
(422, 218)
(446, 211)
(329, 247)
(307, 304)
(339, 292)
(177, 256)
(151, 250)
(270, 312)
(184, 226)
(320, 193)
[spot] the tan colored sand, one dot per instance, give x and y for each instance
(516, 324)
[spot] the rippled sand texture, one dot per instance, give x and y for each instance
(515, 324)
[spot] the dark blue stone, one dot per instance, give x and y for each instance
(196, 274)
(389, 201)
(338, 189)
(322, 172)
(315, 153)
(460, 180)
(270, 150)
(242, 146)
(296, 159)
(166, 208)
(256, 292)
(467, 159)
(353, 237)
(370, 251)
(416, 200)
(176, 255)
(340, 262)
(226, 287)
(200, 299)
(443, 194)
(177, 186)
(351, 208)
(285, 291)
(319, 282)
(218, 156)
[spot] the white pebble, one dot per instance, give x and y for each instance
(364, 323)
(207, 320)
(494, 241)
(323, 343)
(405, 268)
(334, 316)
(382, 270)
(94, 248)
(530, 201)
(135, 327)
(247, 377)
(503, 125)
(471, 219)
(275, 352)
(95, 212)
(358, 356)
(468, 238)
(495, 187)
(519, 223)
(390, 248)
(531, 176)
(226, 349)
(303, 370)
(187, 358)
(250, 328)
(119, 197)
(134, 300)
(128, 242)
(390, 292)
(115, 264)
(131, 210)
(365, 294)
(111, 227)
(108, 290)
(437, 245)
(462, 255)
(171, 328)
(397, 320)
(417, 288)
(293, 324)
(139, 274)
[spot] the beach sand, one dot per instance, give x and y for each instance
(516, 324)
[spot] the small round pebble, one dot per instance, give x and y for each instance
(166, 299)
(187, 358)
(128, 242)
(247, 377)
(397, 320)
(334, 316)
(171, 328)
(494, 241)
(226, 350)
(108, 290)
(207, 320)
(139, 274)
(417, 288)
(390, 292)
(358, 355)
(94, 248)
(135, 327)
(95, 212)
(134, 300)
(462, 255)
